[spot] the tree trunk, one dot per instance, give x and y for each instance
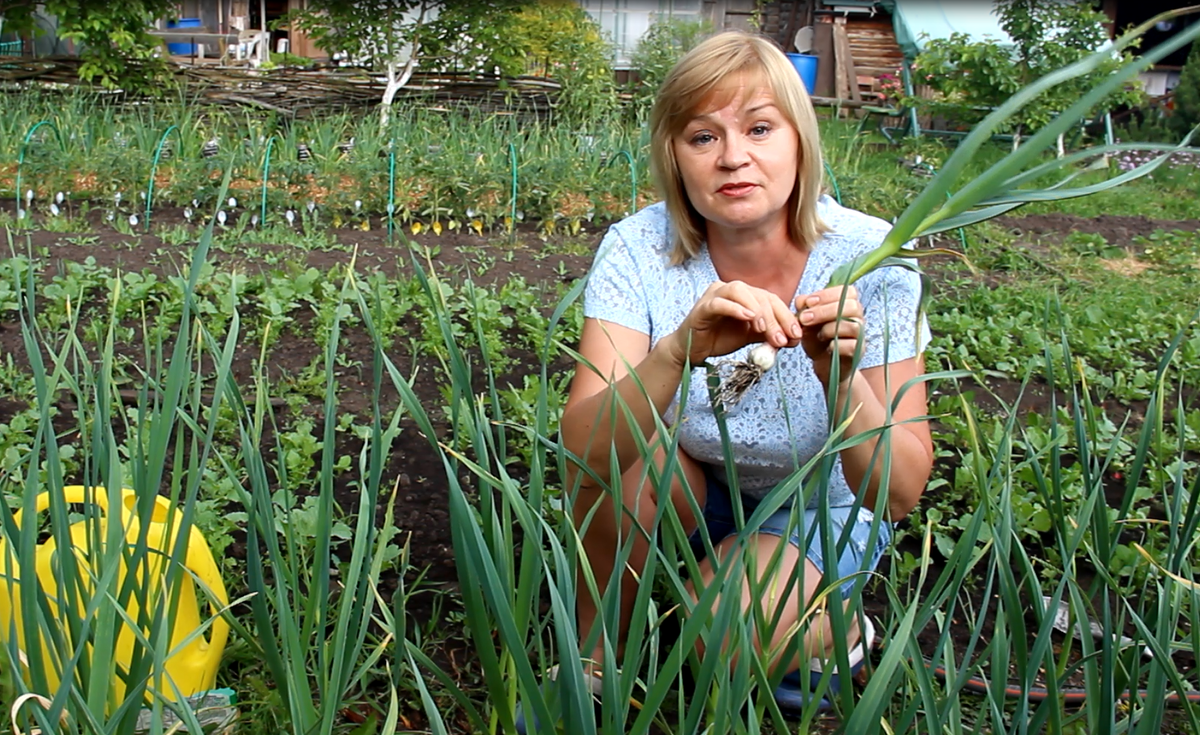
(394, 81)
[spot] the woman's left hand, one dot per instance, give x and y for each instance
(831, 326)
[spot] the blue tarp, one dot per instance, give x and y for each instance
(915, 20)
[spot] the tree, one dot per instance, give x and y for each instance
(971, 77)
(393, 36)
(668, 39)
(557, 38)
(110, 35)
(1186, 114)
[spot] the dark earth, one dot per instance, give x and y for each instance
(421, 507)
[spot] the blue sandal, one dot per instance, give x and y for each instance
(523, 726)
(795, 692)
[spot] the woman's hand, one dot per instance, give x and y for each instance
(824, 316)
(729, 316)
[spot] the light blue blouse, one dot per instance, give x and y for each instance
(633, 284)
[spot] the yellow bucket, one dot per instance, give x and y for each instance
(191, 667)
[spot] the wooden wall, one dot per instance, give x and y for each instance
(731, 14)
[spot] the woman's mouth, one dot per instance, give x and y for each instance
(735, 189)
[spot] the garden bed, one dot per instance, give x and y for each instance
(544, 266)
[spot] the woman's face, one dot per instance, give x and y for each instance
(739, 162)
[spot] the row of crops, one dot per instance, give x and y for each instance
(432, 165)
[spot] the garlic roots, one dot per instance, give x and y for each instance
(745, 374)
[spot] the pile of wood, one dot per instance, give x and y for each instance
(863, 52)
(300, 92)
(874, 48)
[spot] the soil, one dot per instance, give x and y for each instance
(421, 506)
(1117, 229)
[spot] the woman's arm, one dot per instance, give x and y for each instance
(605, 407)
(865, 397)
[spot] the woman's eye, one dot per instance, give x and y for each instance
(760, 130)
(702, 138)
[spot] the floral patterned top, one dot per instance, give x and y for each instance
(782, 422)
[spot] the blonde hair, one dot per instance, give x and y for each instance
(703, 71)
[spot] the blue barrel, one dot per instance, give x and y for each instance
(183, 49)
(806, 66)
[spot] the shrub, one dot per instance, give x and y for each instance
(971, 77)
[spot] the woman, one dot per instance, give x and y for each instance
(739, 253)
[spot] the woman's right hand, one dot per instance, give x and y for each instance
(729, 316)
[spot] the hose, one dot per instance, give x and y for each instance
(1069, 696)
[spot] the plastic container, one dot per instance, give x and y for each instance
(193, 667)
(183, 49)
(806, 67)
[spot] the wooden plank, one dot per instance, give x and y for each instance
(840, 49)
(823, 50)
(847, 76)
(877, 71)
(789, 32)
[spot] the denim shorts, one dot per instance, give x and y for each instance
(855, 557)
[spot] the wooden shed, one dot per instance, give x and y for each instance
(231, 16)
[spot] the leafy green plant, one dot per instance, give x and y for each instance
(972, 77)
(106, 637)
(1093, 245)
(568, 45)
(289, 60)
(1176, 251)
(315, 651)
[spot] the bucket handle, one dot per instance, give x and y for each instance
(71, 494)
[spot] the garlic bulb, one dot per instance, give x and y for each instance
(763, 355)
(745, 374)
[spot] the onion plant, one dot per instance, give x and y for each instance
(520, 555)
(92, 652)
(1015, 674)
(1007, 184)
(312, 614)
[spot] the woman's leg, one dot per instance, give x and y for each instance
(610, 527)
(789, 603)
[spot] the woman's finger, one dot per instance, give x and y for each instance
(773, 330)
(740, 293)
(768, 311)
(829, 313)
(721, 306)
(848, 329)
(826, 296)
(788, 322)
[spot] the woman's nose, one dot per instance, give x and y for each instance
(734, 153)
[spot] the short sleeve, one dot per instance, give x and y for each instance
(615, 291)
(895, 323)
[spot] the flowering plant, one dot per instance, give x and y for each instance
(891, 87)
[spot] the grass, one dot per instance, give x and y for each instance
(1022, 503)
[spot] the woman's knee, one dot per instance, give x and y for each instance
(640, 492)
